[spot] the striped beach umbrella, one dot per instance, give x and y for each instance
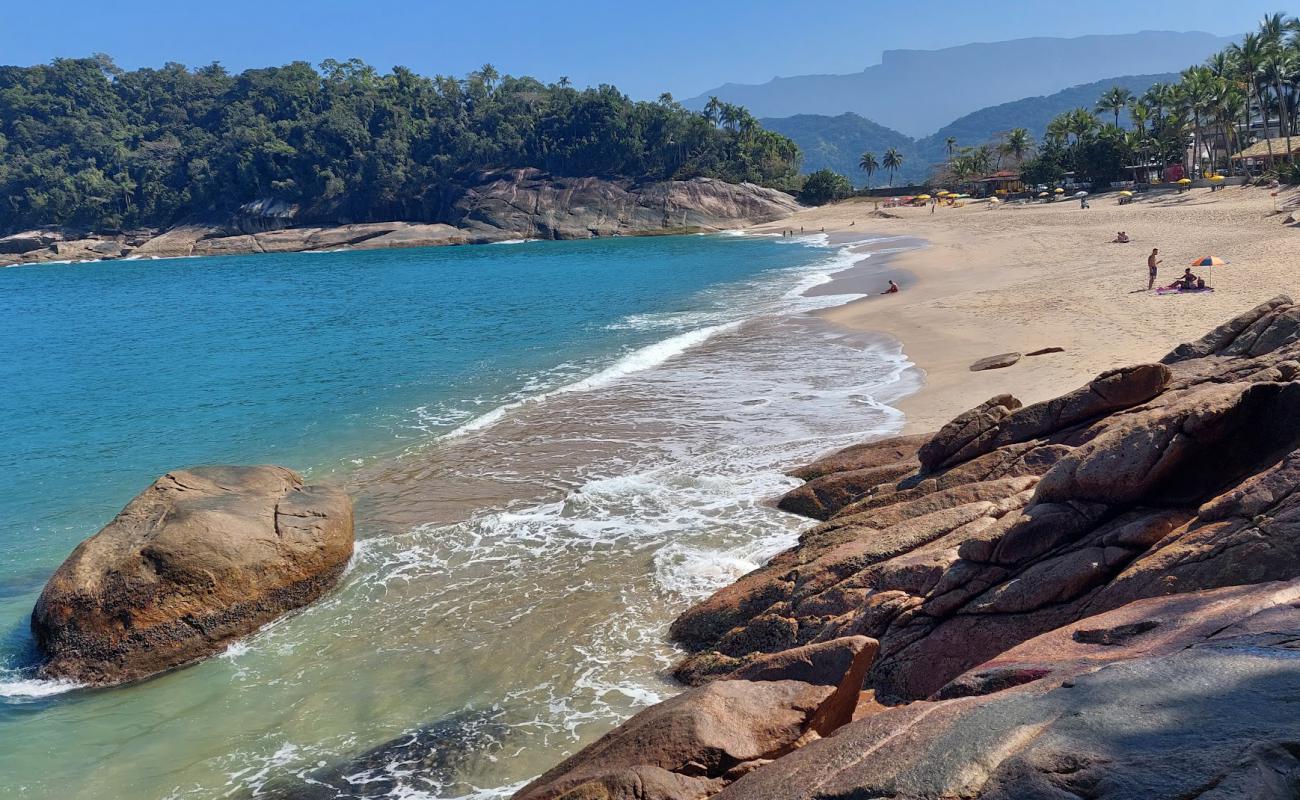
(1209, 262)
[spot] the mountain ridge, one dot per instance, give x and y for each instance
(965, 78)
(837, 142)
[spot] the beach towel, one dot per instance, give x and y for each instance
(1166, 290)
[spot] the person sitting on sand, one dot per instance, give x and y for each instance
(1187, 282)
(1152, 263)
(1120, 238)
(893, 288)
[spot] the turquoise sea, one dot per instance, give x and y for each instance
(554, 447)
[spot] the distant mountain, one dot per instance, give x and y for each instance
(1033, 112)
(916, 91)
(838, 142)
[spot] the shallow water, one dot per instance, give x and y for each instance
(554, 448)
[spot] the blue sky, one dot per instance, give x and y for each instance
(643, 48)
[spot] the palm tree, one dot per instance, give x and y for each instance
(1140, 113)
(1018, 142)
(1249, 54)
(1197, 93)
(1277, 66)
(892, 161)
(1159, 97)
(1058, 130)
(1114, 100)
(868, 164)
(1081, 123)
(713, 110)
(951, 144)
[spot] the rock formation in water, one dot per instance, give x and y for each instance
(1092, 596)
(498, 206)
(201, 557)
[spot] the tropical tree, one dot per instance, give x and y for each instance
(1114, 100)
(1140, 113)
(892, 161)
(1196, 93)
(1080, 123)
(1159, 97)
(1250, 54)
(824, 186)
(1017, 144)
(951, 144)
(868, 164)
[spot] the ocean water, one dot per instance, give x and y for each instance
(554, 448)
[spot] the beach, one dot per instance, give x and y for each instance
(1020, 278)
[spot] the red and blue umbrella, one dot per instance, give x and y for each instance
(1210, 262)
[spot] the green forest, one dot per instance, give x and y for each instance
(86, 144)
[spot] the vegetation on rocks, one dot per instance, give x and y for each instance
(84, 143)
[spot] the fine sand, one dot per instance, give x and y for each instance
(1020, 278)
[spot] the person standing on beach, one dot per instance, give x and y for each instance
(1152, 263)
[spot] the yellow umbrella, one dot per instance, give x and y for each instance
(1216, 178)
(922, 197)
(1126, 193)
(1059, 190)
(1184, 181)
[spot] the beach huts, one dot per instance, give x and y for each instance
(1256, 157)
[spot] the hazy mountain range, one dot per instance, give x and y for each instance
(836, 142)
(917, 91)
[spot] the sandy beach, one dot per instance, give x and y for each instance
(1020, 278)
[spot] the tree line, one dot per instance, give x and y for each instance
(86, 144)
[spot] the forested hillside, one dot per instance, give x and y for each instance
(837, 143)
(1032, 113)
(84, 143)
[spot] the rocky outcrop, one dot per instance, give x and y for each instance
(1195, 707)
(1096, 596)
(696, 743)
(528, 204)
(1149, 480)
(493, 207)
(201, 557)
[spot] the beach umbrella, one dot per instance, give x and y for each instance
(1059, 190)
(922, 197)
(1042, 194)
(1126, 193)
(994, 200)
(1184, 181)
(1217, 178)
(1209, 262)
(1080, 194)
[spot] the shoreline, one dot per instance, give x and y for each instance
(1017, 279)
(513, 205)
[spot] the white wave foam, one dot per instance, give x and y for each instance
(641, 359)
(516, 241)
(20, 689)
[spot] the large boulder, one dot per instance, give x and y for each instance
(694, 744)
(201, 557)
(1191, 699)
(683, 748)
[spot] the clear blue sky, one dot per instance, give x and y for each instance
(644, 48)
